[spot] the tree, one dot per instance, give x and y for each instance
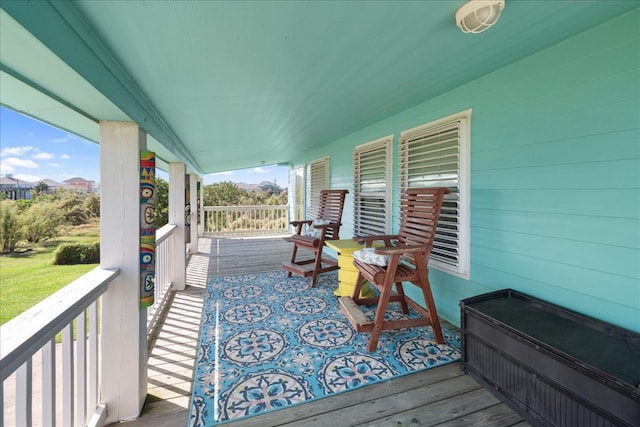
(162, 202)
(10, 232)
(224, 193)
(41, 188)
(91, 204)
(70, 203)
(42, 221)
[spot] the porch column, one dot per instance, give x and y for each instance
(193, 185)
(201, 210)
(177, 216)
(123, 359)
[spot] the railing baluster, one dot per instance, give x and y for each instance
(92, 396)
(2, 403)
(49, 383)
(67, 375)
(23, 394)
(81, 369)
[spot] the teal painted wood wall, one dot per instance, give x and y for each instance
(555, 175)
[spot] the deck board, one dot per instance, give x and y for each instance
(439, 396)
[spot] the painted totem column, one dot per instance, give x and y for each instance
(187, 209)
(147, 227)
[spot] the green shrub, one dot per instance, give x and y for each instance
(41, 221)
(10, 232)
(77, 253)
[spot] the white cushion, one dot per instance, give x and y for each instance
(369, 256)
(316, 232)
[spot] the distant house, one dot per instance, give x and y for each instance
(14, 188)
(80, 184)
(270, 188)
(18, 189)
(51, 185)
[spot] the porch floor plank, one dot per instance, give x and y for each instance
(441, 396)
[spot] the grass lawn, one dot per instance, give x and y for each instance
(29, 277)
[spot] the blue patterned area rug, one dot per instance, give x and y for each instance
(269, 341)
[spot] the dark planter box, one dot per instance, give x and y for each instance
(553, 366)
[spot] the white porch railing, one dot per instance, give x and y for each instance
(31, 336)
(30, 356)
(245, 220)
(164, 251)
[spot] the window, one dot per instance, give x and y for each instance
(318, 181)
(372, 187)
(437, 155)
(295, 194)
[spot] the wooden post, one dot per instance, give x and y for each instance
(193, 183)
(178, 268)
(201, 211)
(123, 356)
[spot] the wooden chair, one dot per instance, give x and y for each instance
(406, 256)
(325, 226)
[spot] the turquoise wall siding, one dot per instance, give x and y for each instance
(555, 175)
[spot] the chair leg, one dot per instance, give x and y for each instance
(431, 307)
(403, 301)
(358, 287)
(293, 254)
(378, 323)
(317, 266)
(293, 257)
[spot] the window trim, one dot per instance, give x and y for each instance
(385, 143)
(462, 269)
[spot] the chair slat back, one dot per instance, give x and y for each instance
(420, 210)
(330, 207)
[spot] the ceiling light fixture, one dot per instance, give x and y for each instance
(475, 16)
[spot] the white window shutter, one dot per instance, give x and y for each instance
(318, 181)
(437, 155)
(372, 187)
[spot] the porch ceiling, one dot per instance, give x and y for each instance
(224, 85)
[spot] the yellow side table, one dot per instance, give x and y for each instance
(347, 274)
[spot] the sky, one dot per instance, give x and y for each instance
(32, 151)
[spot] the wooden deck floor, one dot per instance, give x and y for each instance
(442, 396)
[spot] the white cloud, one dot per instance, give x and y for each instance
(17, 151)
(222, 173)
(65, 156)
(55, 165)
(20, 163)
(43, 156)
(258, 170)
(4, 169)
(67, 137)
(27, 177)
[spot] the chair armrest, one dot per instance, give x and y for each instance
(400, 249)
(295, 223)
(368, 240)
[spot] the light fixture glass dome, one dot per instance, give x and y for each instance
(475, 16)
